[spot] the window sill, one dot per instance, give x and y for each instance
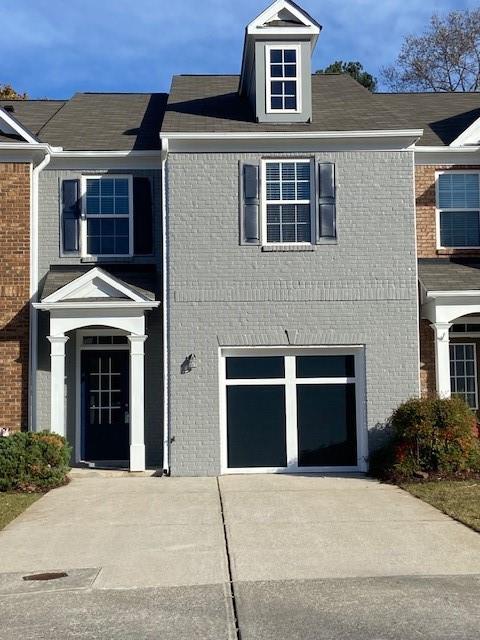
(273, 248)
(110, 260)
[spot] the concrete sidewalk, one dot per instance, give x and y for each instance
(307, 558)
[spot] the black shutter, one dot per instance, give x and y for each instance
(142, 217)
(326, 223)
(70, 215)
(250, 204)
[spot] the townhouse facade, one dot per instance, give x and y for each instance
(245, 275)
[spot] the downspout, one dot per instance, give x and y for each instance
(166, 403)
(33, 333)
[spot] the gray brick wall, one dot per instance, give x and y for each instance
(49, 254)
(361, 290)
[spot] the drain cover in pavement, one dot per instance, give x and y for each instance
(53, 575)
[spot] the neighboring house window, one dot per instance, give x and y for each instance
(107, 220)
(283, 79)
(463, 372)
(458, 204)
(287, 201)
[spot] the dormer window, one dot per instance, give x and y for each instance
(282, 74)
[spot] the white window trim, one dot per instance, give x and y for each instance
(438, 210)
(268, 78)
(263, 204)
(84, 217)
(290, 381)
(459, 393)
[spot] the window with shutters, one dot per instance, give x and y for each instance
(282, 77)
(287, 201)
(107, 216)
(458, 209)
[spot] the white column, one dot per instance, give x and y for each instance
(57, 382)
(442, 358)
(137, 403)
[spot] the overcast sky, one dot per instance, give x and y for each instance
(52, 48)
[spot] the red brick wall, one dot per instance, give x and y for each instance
(427, 359)
(425, 199)
(14, 293)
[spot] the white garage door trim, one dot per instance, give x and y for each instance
(290, 381)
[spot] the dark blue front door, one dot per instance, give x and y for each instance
(105, 411)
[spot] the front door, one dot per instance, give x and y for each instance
(105, 412)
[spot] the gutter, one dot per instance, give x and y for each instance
(33, 333)
(301, 135)
(165, 317)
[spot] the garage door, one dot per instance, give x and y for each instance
(291, 411)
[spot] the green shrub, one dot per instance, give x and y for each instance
(33, 461)
(429, 435)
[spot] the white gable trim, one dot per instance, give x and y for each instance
(84, 286)
(471, 135)
(308, 24)
(11, 124)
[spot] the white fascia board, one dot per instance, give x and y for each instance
(471, 135)
(108, 154)
(283, 5)
(468, 293)
(12, 123)
(70, 288)
(449, 149)
(128, 304)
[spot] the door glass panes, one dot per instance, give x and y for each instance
(253, 367)
(325, 366)
(256, 426)
(326, 425)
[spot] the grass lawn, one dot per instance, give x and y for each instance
(459, 499)
(13, 504)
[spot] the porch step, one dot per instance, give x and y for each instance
(112, 473)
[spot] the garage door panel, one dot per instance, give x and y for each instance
(256, 426)
(326, 425)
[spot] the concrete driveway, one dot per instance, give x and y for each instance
(250, 557)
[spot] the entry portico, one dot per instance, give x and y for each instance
(99, 299)
(450, 299)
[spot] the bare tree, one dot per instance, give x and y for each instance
(7, 92)
(446, 57)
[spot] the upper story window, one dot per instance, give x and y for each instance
(107, 216)
(458, 206)
(287, 201)
(282, 78)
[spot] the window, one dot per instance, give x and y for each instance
(107, 219)
(463, 372)
(458, 204)
(282, 79)
(296, 409)
(287, 201)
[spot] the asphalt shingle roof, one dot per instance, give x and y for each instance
(212, 104)
(33, 114)
(442, 116)
(441, 274)
(141, 278)
(107, 122)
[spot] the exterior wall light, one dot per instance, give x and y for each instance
(189, 363)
